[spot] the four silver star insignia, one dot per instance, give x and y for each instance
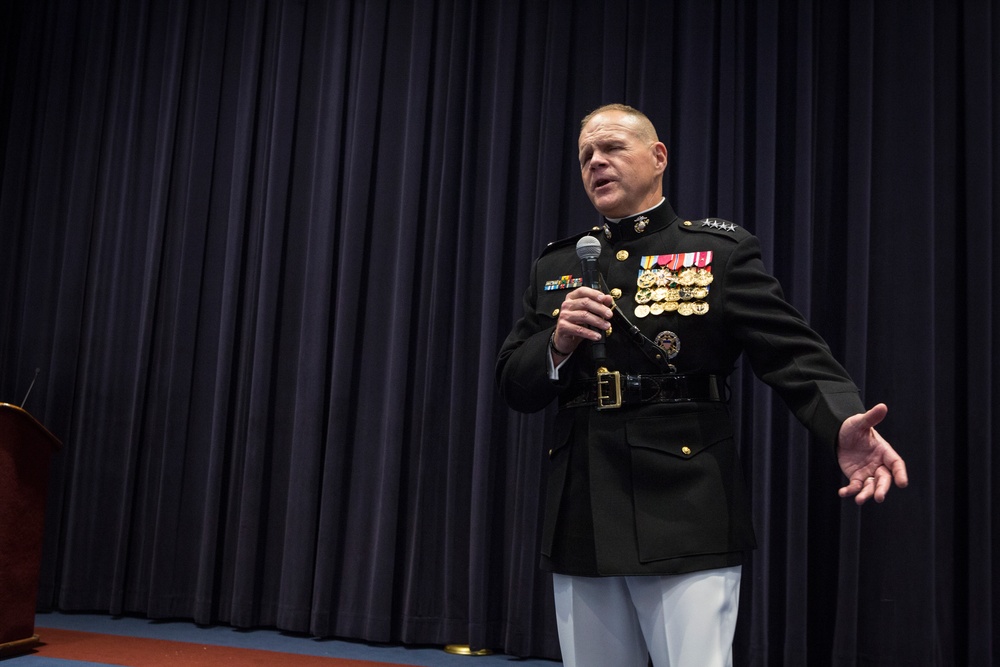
(718, 224)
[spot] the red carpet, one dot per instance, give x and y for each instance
(140, 652)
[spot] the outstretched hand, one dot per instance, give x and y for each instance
(869, 462)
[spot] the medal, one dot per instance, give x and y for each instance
(677, 282)
(669, 342)
(565, 282)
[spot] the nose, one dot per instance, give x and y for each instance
(597, 161)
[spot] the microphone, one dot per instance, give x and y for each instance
(30, 387)
(588, 249)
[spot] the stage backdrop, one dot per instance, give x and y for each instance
(264, 254)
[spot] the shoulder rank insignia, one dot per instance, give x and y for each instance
(716, 223)
(716, 226)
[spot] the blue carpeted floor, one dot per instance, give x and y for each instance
(271, 640)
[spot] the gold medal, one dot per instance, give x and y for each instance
(641, 311)
(669, 306)
(646, 279)
(699, 307)
(656, 309)
(660, 294)
(685, 308)
(687, 276)
(699, 292)
(643, 296)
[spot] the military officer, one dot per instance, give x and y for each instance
(647, 516)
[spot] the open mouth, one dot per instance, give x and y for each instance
(601, 182)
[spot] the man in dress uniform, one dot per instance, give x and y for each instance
(647, 515)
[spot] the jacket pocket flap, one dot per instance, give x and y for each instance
(683, 435)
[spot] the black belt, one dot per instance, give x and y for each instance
(613, 390)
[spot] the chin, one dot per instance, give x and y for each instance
(610, 212)
(607, 209)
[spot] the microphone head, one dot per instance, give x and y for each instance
(588, 247)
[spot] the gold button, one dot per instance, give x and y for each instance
(550, 453)
(555, 313)
(687, 223)
(616, 293)
(596, 228)
(608, 332)
(686, 451)
(622, 255)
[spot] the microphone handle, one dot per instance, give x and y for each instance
(591, 278)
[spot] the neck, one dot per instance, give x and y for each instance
(647, 210)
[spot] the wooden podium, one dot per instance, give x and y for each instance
(26, 449)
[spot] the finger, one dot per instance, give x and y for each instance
(883, 482)
(861, 488)
(898, 468)
(587, 332)
(581, 326)
(584, 294)
(852, 488)
(583, 319)
(875, 416)
(867, 491)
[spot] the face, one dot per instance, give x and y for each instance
(621, 166)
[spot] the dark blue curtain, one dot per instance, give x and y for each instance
(264, 254)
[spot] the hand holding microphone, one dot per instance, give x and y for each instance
(586, 312)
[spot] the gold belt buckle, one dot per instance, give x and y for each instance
(609, 389)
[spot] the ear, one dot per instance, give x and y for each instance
(660, 156)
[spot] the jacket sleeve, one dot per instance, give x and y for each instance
(522, 367)
(783, 350)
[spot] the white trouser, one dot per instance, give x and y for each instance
(679, 620)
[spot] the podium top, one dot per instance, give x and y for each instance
(13, 412)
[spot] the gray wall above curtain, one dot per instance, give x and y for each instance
(264, 254)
